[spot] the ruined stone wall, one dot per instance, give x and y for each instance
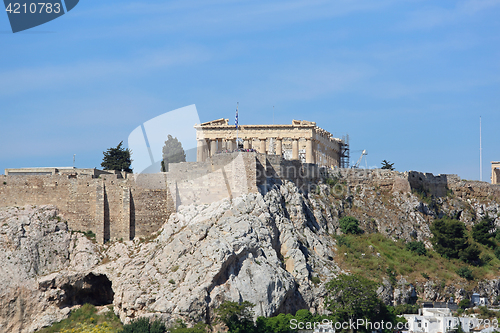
(425, 183)
(135, 206)
(111, 207)
(75, 197)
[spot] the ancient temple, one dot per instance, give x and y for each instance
(301, 140)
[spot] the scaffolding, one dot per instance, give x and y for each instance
(344, 152)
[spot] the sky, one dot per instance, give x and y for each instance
(407, 80)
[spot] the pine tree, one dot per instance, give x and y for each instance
(387, 165)
(172, 153)
(117, 159)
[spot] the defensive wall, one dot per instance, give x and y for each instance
(425, 183)
(118, 205)
(109, 205)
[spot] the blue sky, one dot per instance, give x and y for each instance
(407, 80)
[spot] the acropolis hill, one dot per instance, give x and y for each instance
(117, 205)
(237, 226)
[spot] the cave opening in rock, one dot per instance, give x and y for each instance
(92, 289)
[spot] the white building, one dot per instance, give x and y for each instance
(436, 320)
(324, 328)
(479, 300)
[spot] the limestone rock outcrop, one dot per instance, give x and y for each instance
(275, 250)
(33, 243)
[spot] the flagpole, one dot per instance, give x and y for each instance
(237, 144)
(480, 151)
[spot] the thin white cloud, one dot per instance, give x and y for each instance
(27, 79)
(215, 18)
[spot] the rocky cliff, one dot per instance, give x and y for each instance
(275, 250)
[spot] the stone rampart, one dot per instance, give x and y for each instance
(115, 207)
(111, 207)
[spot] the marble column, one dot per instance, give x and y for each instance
(246, 143)
(213, 147)
(295, 149)
(219, 145)
(309, 151)
(206, 149)
(199, 150)
(279, 147)
(263, 146)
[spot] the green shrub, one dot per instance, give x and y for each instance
(465, 273)
(350, 225)
(463, 304)
(405, 309)
(171, 281)
(450, 241)
(331, 181)
(471, 254)
(417, 247)
(425, 276)
(486, 258)
(483, 232)
(181, 327)
(143, 325)
(237, 317)
(497, 253)
(343, 241)
(391, 273)
(315, 280)
(486, 313)
(86, 319)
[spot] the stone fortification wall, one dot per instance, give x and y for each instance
(425, 183)
(110, 206)
(233, 174)
(115, 207)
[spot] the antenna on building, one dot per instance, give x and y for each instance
(74, 155)
(236, 124)
(480, 151)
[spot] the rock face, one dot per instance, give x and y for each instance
(33, 243)
(249, 249)
(266, 249)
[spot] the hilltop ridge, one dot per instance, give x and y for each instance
(275, 249)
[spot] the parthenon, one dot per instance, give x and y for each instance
(302, 140)
(495, 172)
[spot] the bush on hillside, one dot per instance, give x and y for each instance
(484, 232)
(350, 225)
(417, 247)
(463, 304)
(143, 325)
(465, 273)
(450, 241)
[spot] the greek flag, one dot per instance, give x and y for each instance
(236, 119)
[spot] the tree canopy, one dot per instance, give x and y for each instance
(172, 153)
(117, 159)
(353, 297)
(450, 240)
(237, 317)
(350, 225)
(387, 165)
(484, 231)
